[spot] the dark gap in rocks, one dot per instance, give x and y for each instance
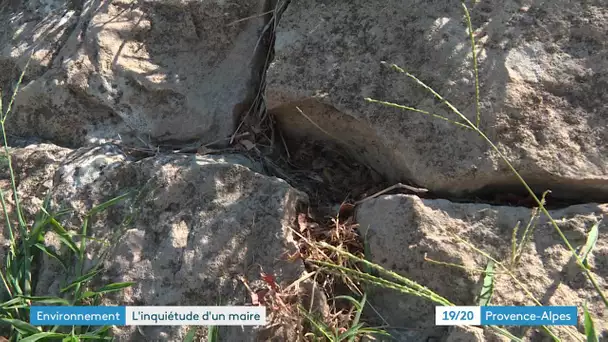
(505, 191)
(516, 195)
(325, 172)
(251, 115)
(15, 141)
(366, 148)
(329, 176)
(352, 187)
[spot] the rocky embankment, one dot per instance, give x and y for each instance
(195, 107)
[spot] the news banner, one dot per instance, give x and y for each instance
(256, 315)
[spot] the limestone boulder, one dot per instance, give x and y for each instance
(193, 228)
(417, 238)
(130, 71)
(542, 68)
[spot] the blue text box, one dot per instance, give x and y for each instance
(529, 315)
(77, 315)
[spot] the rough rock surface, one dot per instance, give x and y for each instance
(542, 68)
(119, 73)
(129, 70)
(195, 225)
(34, 167)
(403, 230)
(473, 334)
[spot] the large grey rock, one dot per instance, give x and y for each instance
(403, 230)
(193, 227)
(542, 68)
(129, 70)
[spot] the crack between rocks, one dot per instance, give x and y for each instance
(507, 194)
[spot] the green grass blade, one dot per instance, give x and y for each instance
(4, 115)
(40, 222)
(11, 302)
(21, 326)
(7, 220)
(70, 338)
(103, 206)
(373, 331)
(514, 243)
(213, 333)
(100, 331)
(7, 288)
(487, 289)
(51, 254)
(87, 294)
(352, 300)
(92, 336)
(320, 326)
(407, 282)
(475, 67)
(360, 309)
(47, 300)
(351, 333)
(115, 287)
(13, 278)
(17, 86)
(412, 109)
(81, 279)
(192, 334)
(26, 270)
(355, 325)
(42, 335)
(367, 253)
(17, 307)
(467, 124)
(589, 326)
(64, 236)
(83, 244)
(37, 232)
(590, 243)
(21, 219)
(106, 289)
(377, 281)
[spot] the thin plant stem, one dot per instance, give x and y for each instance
(475, 68)
(519, 283)
(519, 178)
